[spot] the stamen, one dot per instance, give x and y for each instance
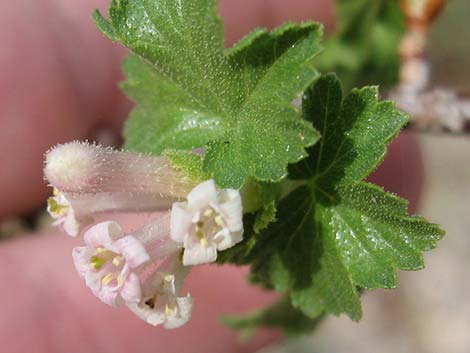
(209, 212)
(169, 311)
(219, 221)
(204, 242)
(117, 261)
(107, 279)
(56, 208)
(103, 256)
(200, 234)
(120, 280)
(97, 262)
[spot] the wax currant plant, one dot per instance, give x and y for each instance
(236, 173)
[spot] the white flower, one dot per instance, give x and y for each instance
(62, 212)
(162, 303)
(111, 263)
(210, 220)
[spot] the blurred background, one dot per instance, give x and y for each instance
(430, 311)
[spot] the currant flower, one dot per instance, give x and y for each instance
(162, 303)
(63, 214)
(91, 179)
(111, 262)
(209, 221)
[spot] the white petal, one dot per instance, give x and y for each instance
(81, 259)
(133, 251)
(102, 234)
(156, 318)
(93, 281)
(131, 291)
(202, 195)
(147, 314)
(231, 208)
(185, 308)
(226, 239)
(70, 225)
(180, 221)
(109, 296)
(198, 254)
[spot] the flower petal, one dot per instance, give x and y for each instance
(147, 314)
(109, 296)
(71, 226)
(81, 259)
(131, 290)
(133, 251)
(180, 221)
(203, 195)
(232, 209)
(185, 308)
(226, 239)
(93, 281)
(198, 254)
(102, 234)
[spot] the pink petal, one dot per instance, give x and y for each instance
(109, 296)
(133, 250)
(131, 290)
(81, 259)
(102, 234)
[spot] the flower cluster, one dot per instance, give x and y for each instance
(145, 269)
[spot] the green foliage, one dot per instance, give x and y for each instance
(190, 163)
(364, 49)
(337, 233)
(279, 315)
(191, 92)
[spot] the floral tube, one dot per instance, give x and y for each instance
(90, 179)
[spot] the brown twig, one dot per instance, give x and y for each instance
(433, 109)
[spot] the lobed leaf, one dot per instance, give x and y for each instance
(191, 92)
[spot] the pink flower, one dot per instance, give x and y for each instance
(112, 262)
(90, 179)
(162, 303)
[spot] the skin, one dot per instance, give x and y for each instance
(58, 83)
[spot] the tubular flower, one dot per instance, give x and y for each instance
(112, 262)
(162, 303)
(210, 220)
(91, 179)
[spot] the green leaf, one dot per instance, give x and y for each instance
(279, 315)
(190, 163)
(364, 50)
(337, 233)
(191, 92)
